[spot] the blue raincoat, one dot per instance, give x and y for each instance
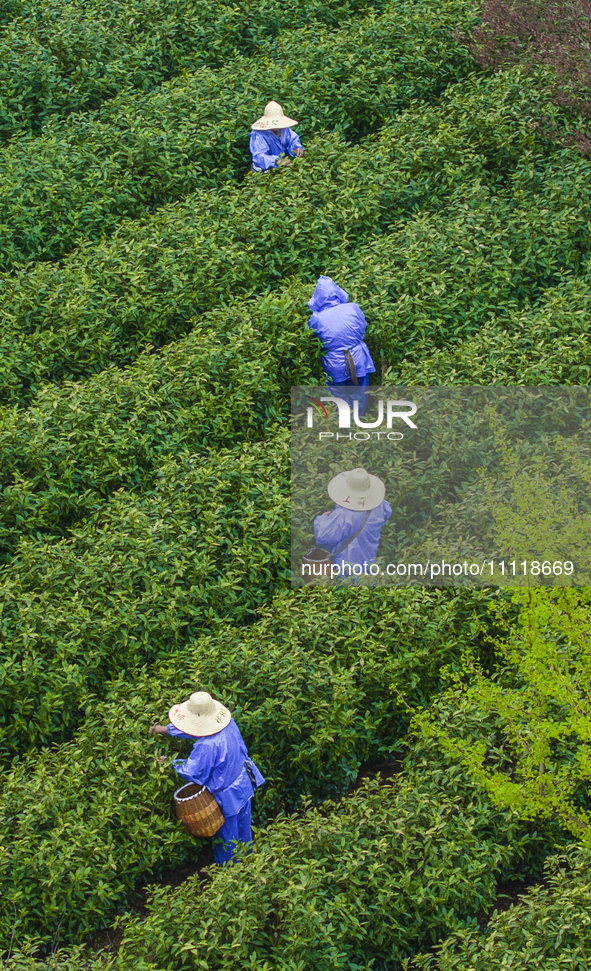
(217, 761)
(266, 147)
(340, 326)
(331, 531)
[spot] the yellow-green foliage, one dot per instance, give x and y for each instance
(540, 700)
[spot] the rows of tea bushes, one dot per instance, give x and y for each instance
(399, 867)
(141, 577)
(322, 682)
(76, 445)
(79, 443)
(371, 879)
(57, 58)
(79, 179)
(369, 882)
(549, 927)
(146, 284)
(489, 256)
(112, 524)
(144, 512)
(546, 344)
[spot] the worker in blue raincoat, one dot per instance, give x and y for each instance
(219, 760)
(351, 532)
(272, 142)
(340, 325)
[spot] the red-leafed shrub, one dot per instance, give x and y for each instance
(553, 34)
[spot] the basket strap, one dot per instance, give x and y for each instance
(351, 367)
(250, 774)
(356, 533)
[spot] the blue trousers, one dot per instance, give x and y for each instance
(354, 393)
(236, 829)
(361, 382)
(348, 382)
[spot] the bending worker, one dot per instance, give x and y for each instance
(219, 760)
(340, 325)
(351, 531)
(272, 142)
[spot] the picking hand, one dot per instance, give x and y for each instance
(161, 758)
(158, 730)
(299, 151)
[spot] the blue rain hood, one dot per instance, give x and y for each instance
(327, 294)
(340, 325)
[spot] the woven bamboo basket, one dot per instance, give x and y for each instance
(198, 810)
(318, 560)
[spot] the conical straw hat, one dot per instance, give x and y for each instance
(200, 715)
(273, 117)
(356, 489)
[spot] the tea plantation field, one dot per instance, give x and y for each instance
(153, 300)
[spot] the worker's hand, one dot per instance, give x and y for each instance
(283, 161)
(158, 730)
(327, 513)
(299, 151)
(161, 758)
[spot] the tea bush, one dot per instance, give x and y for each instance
(484, 260)
(9, 9)
(57, 58)
(547, 927)
(226, 383)
(142, 576)
(365, 881)
(145, 285)
(543, 345)
(322, 682)
(77, 180)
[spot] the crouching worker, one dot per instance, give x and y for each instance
(219, 760)
(340, 325)
(272, 142)
(351, 532)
